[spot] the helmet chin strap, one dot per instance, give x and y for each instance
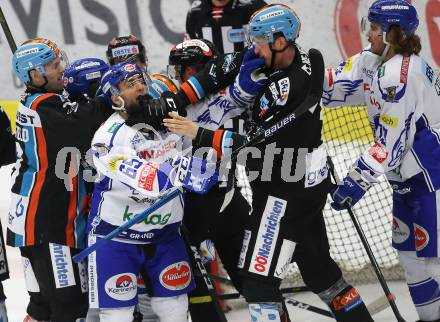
(120, 108)
(274, 52)
(387, 46)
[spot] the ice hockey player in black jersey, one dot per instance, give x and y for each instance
(209, 217)
(291, 182)
(48, 215)
(221, 21)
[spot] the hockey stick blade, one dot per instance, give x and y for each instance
(378, 305)
(308, 307)
(139, 217)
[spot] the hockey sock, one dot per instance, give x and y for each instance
(267, 312)
(345, 303)
(171, 309)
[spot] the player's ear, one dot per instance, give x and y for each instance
(117, 101)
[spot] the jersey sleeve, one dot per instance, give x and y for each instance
(344, 85)
(118, 161)
(393, 127)
(222, 141)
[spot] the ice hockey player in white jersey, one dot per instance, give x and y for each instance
(209, 217)
(136, 167)
(402, 94)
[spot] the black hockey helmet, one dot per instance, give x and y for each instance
(126, 48)
(194, 52)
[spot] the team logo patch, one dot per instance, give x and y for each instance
(176, 276)
(378, 152)
(121, 287)
(347, 301)
(421, 237)
(389, 120)
(125, 50)
(400, 231)
(267, 236)
(236, 35)
(129, 68)
(148, 174)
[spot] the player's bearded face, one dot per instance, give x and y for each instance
(130, 90)
(375, 35)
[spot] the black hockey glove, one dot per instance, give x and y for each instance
(153, 111)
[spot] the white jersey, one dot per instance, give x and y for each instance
(214, 111)
(128, 161)
(403, 100)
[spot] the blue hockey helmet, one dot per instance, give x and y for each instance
(34, 54)
(387, 13)
(80, 76)
(273, 19)
(118, 73)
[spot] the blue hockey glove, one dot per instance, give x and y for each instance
(193, 174)
(351, 190)
(249, 79)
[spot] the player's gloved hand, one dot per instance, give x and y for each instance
(194, 174)
(251, 79)
(153, 111)
(207, 251)
(350, 191)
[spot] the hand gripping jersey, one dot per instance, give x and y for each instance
(128, 161)
(402, 96)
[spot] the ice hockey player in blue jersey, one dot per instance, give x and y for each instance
(137, 165)
(401, 92)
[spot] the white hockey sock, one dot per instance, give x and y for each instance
(116, 314)
(171, 309)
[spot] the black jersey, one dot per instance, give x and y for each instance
(48, 198)
(284, 93)
(224, 26)
(7, 140)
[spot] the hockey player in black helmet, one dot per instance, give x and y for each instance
(190, 56)
(208, 218)
(127, 48)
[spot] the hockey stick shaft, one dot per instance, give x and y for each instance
(139, 217)
(212, 296)
(7, 32)
(390, 297)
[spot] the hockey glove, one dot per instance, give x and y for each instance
(249, 78)
(350, 191)
(153, 111)
(193, 174)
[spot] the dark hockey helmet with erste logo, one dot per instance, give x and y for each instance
(126, 49)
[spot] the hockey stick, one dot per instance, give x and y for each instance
(389, 296)
(374, 307)
(212, 297)
(7, 32)
(139, 217)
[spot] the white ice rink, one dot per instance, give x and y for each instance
(17, 296)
